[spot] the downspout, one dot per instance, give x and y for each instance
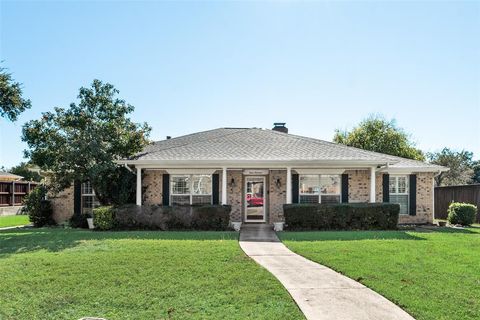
(129, 169)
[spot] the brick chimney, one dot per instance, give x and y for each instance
(280, 127)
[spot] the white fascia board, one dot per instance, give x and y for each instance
(410, 170)
(320, 170)
(268, 164)
(190, 171)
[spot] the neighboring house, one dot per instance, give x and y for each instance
(9, 177)
(257, 171)
(12, 192)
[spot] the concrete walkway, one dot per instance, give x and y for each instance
(320, 292)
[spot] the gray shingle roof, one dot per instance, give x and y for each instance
(261, 145)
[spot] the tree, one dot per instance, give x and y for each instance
(38, 208)
(23, 170)
(460, 164)
(476, 172)
(83, 141)
(11, 101)
(380, 135)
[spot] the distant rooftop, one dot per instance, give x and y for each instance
(9, 176)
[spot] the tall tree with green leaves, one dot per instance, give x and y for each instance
(476, 172)
(83, 141)
(24, 171)
(378, 134)
(11, 101)
(460, 163)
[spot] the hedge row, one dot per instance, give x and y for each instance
(358, 216)
(154, 217)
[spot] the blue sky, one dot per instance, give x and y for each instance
(192, 66)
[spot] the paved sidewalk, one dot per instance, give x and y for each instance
(320, 292)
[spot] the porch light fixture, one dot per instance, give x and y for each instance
(232, 183)
(278, 183)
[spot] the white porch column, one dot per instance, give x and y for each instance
(139, 186)
(372, 184)
(224, 185)
(289, 185)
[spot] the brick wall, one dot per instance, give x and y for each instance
(235, 194)
(62, 205)
(152, 186)
(378, 187)
(424, 200)
(277, 196)
(359, 191)
(358, 185)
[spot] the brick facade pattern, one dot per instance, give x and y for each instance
(62, 205)
(378, 187)
(277, 195)
(358, 185)
(358, 191)
(235, 194)
(424, 201)
(152, 186)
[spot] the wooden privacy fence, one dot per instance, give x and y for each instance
(446, 195)
(13, 192)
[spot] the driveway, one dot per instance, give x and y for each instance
(320, 292)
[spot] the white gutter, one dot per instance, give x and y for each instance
(250, 163)
(408, 170)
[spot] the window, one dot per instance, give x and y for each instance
(89, 200)
(320, 188)
(191, 189)
(398, 186)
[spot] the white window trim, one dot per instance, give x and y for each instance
(190, 186)
(84, 195)
(407, 189)
(320, 194)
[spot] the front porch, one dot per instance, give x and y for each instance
(255, 195)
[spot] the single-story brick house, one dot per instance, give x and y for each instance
(257, 171)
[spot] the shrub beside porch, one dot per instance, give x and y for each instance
(348, 216)
(156, 217)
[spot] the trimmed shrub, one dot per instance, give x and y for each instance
(39, 210)
(136, 217)
(103, 218)
(155, 217)
(215, 217)
(78, 221)
(348, 216)
(179, 218)
(461, 213)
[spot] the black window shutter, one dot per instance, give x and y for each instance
(345, 188)
(386, 187)
(295, 181)
(413, 195)
(77, 197)
(166, 189)
(215, 188)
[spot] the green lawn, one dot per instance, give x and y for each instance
(12, 221)
(432, 275)
(68, 274)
